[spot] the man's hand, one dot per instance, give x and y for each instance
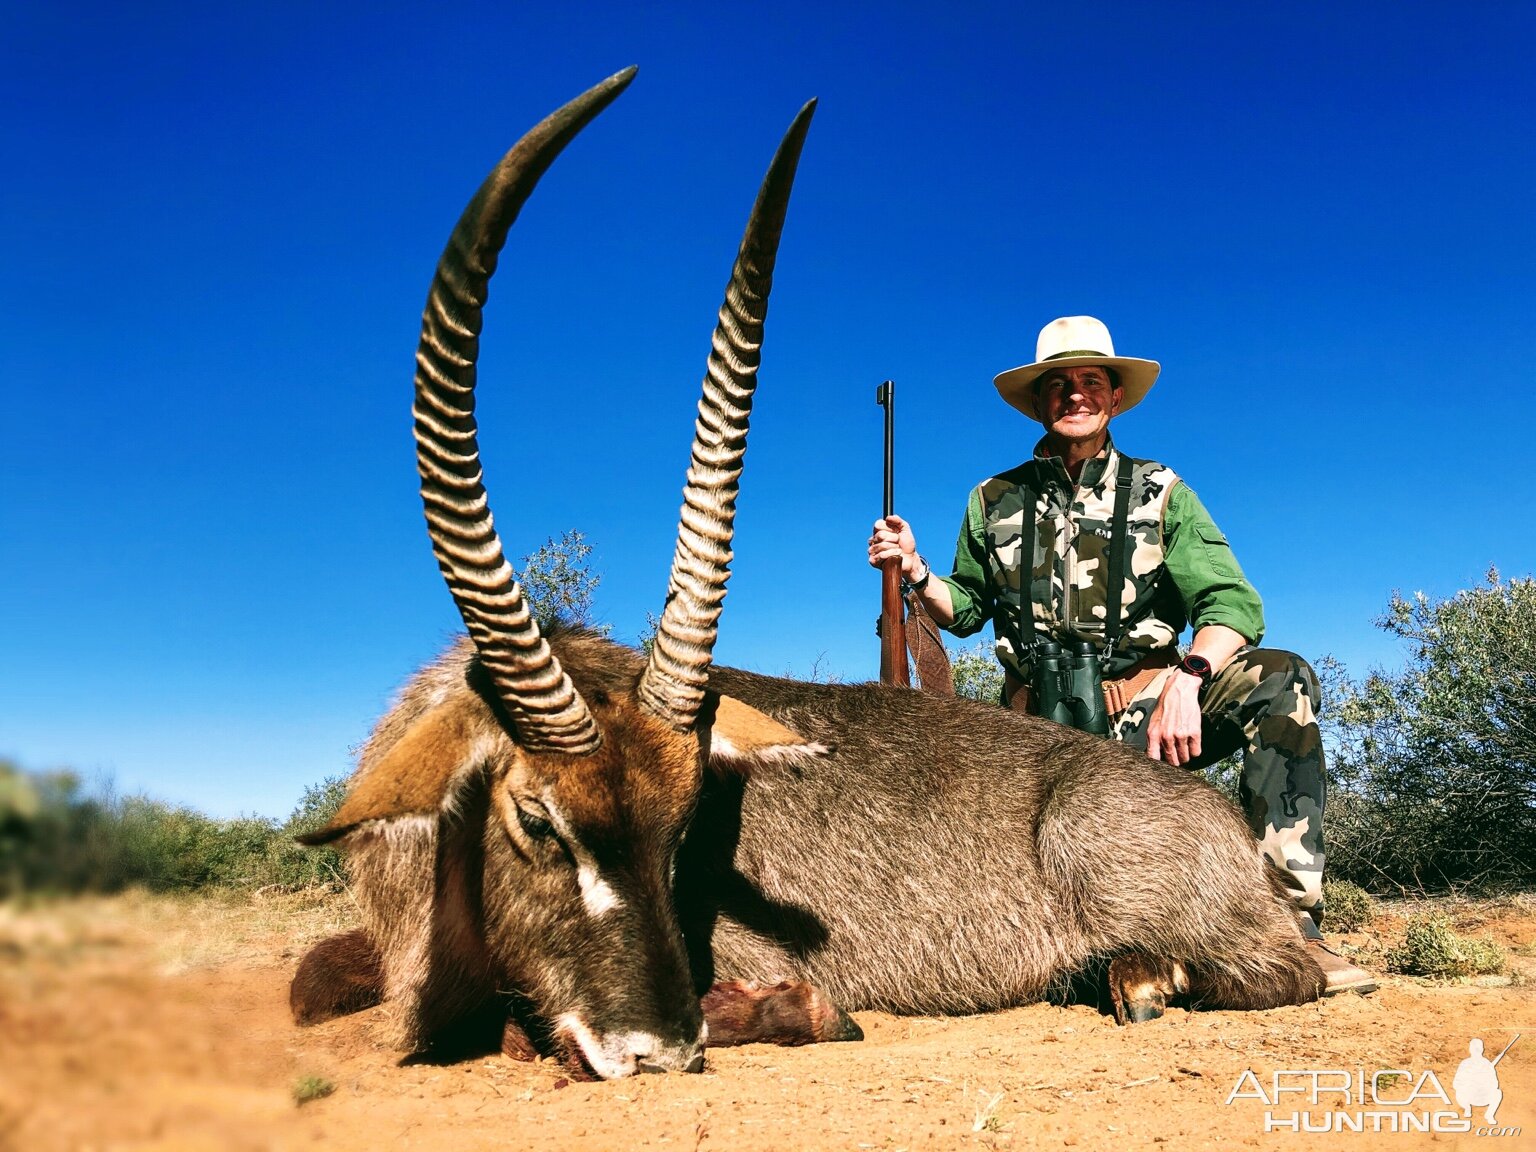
(1173, 735)
(893, 537)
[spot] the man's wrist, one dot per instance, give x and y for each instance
(919, 580)
(1198, 668)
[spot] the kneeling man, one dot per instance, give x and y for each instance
(1082, 543)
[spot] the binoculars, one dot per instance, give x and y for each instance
(1068, 688)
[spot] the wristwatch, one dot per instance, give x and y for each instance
(921, 582)
(1197, 666)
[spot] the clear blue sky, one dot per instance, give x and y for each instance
(218, 223)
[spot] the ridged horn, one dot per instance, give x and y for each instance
(538, 696)
(672, 686)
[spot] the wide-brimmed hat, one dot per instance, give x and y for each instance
(1067, 343)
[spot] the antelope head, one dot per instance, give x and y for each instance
(589, 768)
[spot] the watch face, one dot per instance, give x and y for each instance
(1199, 665)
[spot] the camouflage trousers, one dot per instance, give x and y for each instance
(1264, 702)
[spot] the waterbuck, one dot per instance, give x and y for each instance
(625, 856)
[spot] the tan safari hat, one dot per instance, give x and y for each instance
(1071, 341)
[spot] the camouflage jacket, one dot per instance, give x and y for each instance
(1181, 567)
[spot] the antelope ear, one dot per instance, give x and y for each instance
(419, 774)
(736, 737)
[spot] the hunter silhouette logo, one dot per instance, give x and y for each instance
(1381, 1100)
(1476, 1083)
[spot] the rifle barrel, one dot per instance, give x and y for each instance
(1507, 1047)
(885, 396)
(893, 628)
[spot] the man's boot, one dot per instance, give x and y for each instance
(1341, 974)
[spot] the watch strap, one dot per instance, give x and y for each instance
(1197, 666)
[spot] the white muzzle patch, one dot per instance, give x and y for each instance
(619, 1054)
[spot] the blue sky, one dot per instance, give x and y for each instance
(219, 223)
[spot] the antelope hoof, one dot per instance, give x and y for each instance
(844, 1028)
(1140, 988)
(1138, 1011)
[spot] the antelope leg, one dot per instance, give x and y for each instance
(789, 1013)
(338, 976)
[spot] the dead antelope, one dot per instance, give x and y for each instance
(625, 857)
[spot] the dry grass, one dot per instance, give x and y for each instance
(1466, 913)
(986, 1118)
(182, 932)
(239, 927)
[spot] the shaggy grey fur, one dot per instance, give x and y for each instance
(940, 856)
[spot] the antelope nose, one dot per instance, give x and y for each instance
(694, 1063)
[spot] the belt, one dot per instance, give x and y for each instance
(1118, 693)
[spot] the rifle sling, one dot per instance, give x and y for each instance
(934, 674)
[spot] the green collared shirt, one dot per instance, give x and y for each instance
(1180, 567)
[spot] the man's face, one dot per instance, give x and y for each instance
(1076, 403)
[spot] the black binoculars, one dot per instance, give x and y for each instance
(1068, 688)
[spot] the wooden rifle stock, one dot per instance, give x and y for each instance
(893, 628)
(893, 621)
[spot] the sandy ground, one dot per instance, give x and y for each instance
(154, 1024)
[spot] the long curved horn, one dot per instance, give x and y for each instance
(672, 686)
(538, 696)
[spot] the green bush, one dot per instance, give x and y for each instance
(977, 674)
(68, 841)
(310, 1088)
(1431, 948)
(57, 838)
(293, 866)
(1433, 769)
(176, 849)
(1348, 907)
(558, 582)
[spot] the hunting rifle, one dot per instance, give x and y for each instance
(893, 625)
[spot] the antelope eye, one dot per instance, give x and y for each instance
(534, 825)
